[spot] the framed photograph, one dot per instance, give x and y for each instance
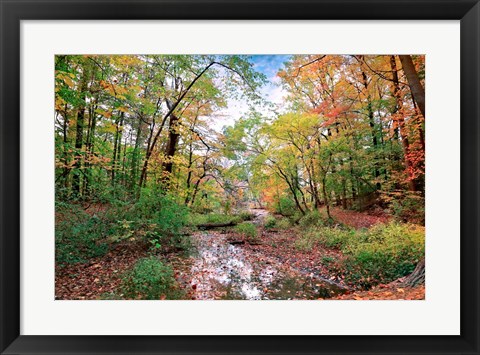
(239, 177)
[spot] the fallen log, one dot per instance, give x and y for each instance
(234, 242)
(215, 225)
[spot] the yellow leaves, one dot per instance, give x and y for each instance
(109, 127)
(120, 90)
(123, 109)
(104, 113)
(66, 78)
(136, 88)
(126, 60)
(59, 103)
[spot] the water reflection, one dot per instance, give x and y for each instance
(225, 271)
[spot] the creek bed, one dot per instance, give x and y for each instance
(225, 271)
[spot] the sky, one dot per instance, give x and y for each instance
(272, 91)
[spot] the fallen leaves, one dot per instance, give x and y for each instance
(358, 220)
(277, 269)
(102, 275)
(386, 292)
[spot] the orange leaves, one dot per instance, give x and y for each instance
(387, 292)
(103, 84)
(114, 89)
(73, 157)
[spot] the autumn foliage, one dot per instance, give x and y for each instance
(145, 140)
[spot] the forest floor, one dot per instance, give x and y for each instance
(223, 265)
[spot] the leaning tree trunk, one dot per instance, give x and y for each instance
(417, 277)
(416, 87)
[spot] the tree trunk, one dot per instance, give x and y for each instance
(79, 132)
(417, 277)
(292, 190)
(400, 123)
(117, 144)
(416, 87)
(371, 121)
(189, 174)
(135, 155)
(168, 114)
(171, 148)
(78, 147)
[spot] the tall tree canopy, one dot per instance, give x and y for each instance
(352, 128)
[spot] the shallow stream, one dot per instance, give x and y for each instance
(225, 271)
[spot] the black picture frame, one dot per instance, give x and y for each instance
(13, 11)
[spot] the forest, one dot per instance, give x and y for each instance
(228, 177)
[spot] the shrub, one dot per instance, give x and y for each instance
(328, 236)
(168, 216)
(406, 206)
(247, 229)
(285, 206)
(411, 208)
(246, 216)
(79, 236)
(336, 237)
(149, 279)
(160, 218)
(306, 242)
(384, 253)
(283, 223)
(380, 254)
(312, 218)
(270, 222)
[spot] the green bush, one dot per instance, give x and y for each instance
(270, 222)
(380, 254)
(337, 237)
(306, 242)
(329, 236)
(79, 236)
(247, 229)
(167, 215)
(283, 223)
(246, 215)
(312, 218)
(285, 206)
(149, 279)
(411, 208)
(384, 253)
(160, 219)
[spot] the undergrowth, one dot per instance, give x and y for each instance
(149, 279)
(156, 218)
(248, 230)
(380, 254)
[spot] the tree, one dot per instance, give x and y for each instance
(416, 86)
